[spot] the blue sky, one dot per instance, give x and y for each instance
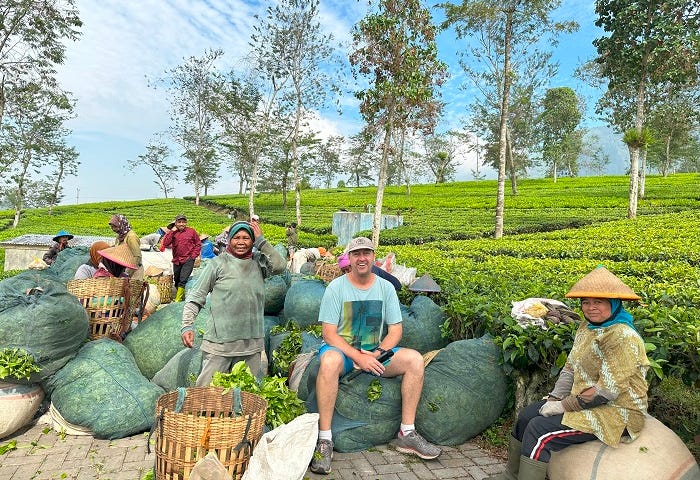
(126, 42)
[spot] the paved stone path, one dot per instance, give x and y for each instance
(42, 454)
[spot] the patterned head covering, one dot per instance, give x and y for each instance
(121, 224)
(95, 248)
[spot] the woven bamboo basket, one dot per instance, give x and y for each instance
(165, 288)
(104, 300)
(210, 419)
(327, 271)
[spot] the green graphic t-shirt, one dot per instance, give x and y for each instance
(360, 314)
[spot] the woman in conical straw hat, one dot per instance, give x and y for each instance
(601, 392)
(115, 262)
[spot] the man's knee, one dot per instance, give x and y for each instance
(413, 360)
(331, 361)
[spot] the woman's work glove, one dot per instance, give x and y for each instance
(551, 408)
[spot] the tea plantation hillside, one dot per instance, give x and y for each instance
(554, 234)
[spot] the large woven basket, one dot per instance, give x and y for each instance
(210, 419)
(105, 301)
(165, 287)
(327, 271)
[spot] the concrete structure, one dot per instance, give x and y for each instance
(347, 224)
(20, 251)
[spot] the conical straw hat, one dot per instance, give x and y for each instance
(601, 283)
(120, 254)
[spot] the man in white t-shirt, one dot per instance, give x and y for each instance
(361, 319)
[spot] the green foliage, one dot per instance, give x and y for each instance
(283, 405)
(291, 345)
(374, 390)
(677, 406)
(16, 363)
(8, 447)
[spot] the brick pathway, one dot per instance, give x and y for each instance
(47, 456)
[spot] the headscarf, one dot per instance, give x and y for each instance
(232, 231)
(343, 261)
(95, 256)
(122, 225)
(619, 315)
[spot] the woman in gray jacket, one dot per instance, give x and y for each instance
(234, 284)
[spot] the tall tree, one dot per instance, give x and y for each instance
(508, 25)
(673, 124)
(293, 45)
(328, 160)
(648, 43)
(561, 142)
(441, 155)
(34, 135)
(361, 158)
(156, 158)
(395, 48)
(32, 36)
(194, 128)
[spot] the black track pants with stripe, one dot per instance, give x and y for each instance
(543, 435)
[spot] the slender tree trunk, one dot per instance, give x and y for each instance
(295, 159)
(500, 195)
(643, 172)
(554, 170)
(634, 153)
(377, 220)
(666, 164)
(510, 164)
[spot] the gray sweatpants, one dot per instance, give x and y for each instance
(214, 363)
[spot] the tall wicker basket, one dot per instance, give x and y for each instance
(106, 302)
(229, 423)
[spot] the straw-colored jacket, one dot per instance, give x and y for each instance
(613, 358)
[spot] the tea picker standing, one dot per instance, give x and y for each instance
(233, 283)
(186, 247)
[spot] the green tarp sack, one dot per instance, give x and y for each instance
(358, 423)
(303, 302)
(181, 371)
(37, 314)
(103, 390)
(68, 261)
(464, 392)
(276, 288)
(157, 339)
(422, 323)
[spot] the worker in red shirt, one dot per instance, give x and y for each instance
(186, 246)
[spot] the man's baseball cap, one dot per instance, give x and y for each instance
(181, 217)
(359, 243)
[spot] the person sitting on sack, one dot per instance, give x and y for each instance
(361, 319)
(60, 243)
(208, 248)
(186, 247)
(344, 265)
(601, 392)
